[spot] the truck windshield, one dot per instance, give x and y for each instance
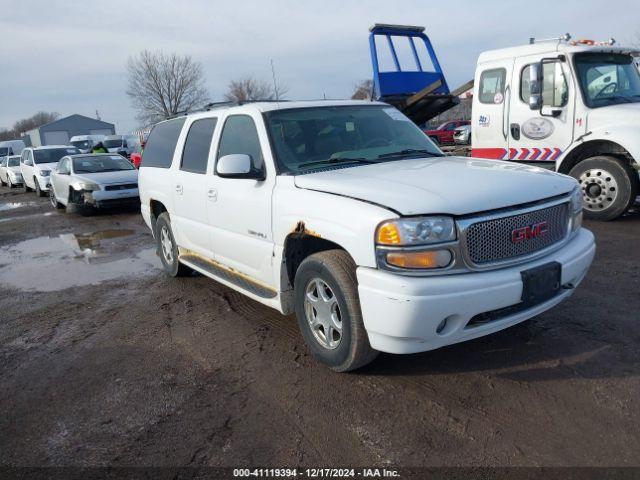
(607, 78)
(81, 144)
(306, 139)
(113, 143)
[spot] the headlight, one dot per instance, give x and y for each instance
(576, 208)
(88, 186)
(44, 173)
(416, 231)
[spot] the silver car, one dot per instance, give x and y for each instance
(10, 171)
(462, 135)
(85, 182)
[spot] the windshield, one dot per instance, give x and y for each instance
(14, 162)
(607, 79)
(83, 144)
(310, 138)
(113, 143)
(101, 163)
(52, 155)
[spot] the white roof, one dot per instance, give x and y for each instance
(550, 47)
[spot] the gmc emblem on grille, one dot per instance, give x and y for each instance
(530, 231)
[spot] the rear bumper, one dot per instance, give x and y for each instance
(401, 313)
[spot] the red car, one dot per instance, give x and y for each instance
(444, 133)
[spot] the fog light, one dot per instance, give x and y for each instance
(420, 260)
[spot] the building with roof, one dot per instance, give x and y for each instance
(61, 130)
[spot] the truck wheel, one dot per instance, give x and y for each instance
(609, 186)
(168, 249)
(328, 311)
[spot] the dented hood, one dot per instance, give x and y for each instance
(448, 185)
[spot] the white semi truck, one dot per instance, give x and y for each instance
(569, 105)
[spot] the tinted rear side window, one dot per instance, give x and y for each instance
(162, 143)
(197, 145)
(240, 136)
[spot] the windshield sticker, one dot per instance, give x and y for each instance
(350, 127)
(498, 97)
(484, 120)
(395, 114)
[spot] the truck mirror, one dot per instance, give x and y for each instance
(535, 86)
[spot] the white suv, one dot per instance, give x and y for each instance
(347, 214)
(36, 164)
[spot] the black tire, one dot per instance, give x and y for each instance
(336, 269)
(24, 184)
(54, 201)
(170, 262)
(609, 186)
(3, 183)
(39, 192)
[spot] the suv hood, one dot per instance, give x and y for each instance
(444, 185)
(108, 178)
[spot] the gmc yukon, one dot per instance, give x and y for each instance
(345, 213)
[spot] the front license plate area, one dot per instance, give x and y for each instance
(541, 283)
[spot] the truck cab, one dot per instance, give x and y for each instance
(573, 106)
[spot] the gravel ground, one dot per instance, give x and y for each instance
(106, 361)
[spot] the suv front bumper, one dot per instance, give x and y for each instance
(402, 313)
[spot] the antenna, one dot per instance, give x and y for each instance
(564, 38)
(275, 84)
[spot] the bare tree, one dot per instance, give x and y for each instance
(250, 89)
(34, 121)
(162, 85)
(363, 90)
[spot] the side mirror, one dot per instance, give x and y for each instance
(535, 86)
(237, 165)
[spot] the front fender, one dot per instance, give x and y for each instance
(345, 221)
(627, 137)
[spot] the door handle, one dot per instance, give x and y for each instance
(179, 189)
(212, 193)
(515, 131)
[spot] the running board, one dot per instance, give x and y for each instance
(217, 270)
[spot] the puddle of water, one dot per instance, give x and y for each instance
(14, 205)
(48, 264)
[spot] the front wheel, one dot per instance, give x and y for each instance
(609, 186)
(54, 201)
(328, 311)
(39, 191)
(168, 249)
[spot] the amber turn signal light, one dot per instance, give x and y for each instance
(420, 260)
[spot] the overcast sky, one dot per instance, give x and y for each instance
(69, 56)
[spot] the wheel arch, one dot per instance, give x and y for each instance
(593, 148)
(156, 207)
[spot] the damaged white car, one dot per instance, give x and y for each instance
(89, 181)
(347, 214)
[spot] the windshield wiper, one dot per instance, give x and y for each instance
(330, 161)
(409, 151)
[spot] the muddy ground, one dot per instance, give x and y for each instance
(106, 361)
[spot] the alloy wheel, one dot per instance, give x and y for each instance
(167, 244)
(323, 313)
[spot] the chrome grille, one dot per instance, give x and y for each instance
(490, 241)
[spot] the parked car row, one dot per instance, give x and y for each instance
(446, 132)
(77, 181)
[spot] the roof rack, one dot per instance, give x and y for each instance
(563, 38)
(236, 103)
